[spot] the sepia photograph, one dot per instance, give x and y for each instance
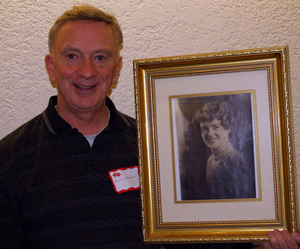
(214, 137)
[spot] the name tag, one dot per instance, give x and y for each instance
(125, 179)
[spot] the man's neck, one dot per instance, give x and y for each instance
(87, 123)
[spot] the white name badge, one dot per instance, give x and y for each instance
(125, 179)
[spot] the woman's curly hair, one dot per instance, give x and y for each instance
(215, 110)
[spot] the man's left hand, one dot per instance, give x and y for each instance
(282, 240)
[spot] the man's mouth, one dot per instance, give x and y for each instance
(84, 87)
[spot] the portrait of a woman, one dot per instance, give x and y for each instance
(228, 175)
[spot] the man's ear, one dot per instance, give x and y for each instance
(117, 71)
(50, 67)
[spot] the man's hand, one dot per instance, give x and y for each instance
(282, 240)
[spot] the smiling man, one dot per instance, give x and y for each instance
(59, 171)
(84, 62)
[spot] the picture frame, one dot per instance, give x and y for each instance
(187, 197)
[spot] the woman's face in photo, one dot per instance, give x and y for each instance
(214, 135)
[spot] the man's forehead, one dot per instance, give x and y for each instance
(79, 24)
(75, 31)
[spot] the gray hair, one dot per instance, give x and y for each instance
(86, 12)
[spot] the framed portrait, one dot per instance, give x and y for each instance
(216, 148)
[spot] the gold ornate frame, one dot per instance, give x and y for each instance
(264, 73)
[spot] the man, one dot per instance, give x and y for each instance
(56, 171)
(55, 189)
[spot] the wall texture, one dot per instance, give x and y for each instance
(152, 28)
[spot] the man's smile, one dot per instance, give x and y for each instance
(84, 87)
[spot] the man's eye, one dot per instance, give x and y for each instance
(71, 56)
(101, 60)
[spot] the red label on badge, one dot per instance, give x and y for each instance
(125, 179)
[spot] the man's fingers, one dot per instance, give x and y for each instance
(265, 245)
(273, 239)
(288, 240)
(296, 237)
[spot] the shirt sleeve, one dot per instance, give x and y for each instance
(10, 222)
(10, 227)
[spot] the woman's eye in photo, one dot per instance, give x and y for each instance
(216, 127)
(203, 129)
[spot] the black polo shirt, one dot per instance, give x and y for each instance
(55, 189)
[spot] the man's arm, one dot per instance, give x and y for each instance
(10, 228)
(10, 224)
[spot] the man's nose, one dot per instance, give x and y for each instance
(87, 70)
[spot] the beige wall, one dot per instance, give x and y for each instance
(152, 28)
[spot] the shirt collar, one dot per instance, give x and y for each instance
(56, 124)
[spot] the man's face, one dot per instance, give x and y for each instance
(214, 135)
(84, 65)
